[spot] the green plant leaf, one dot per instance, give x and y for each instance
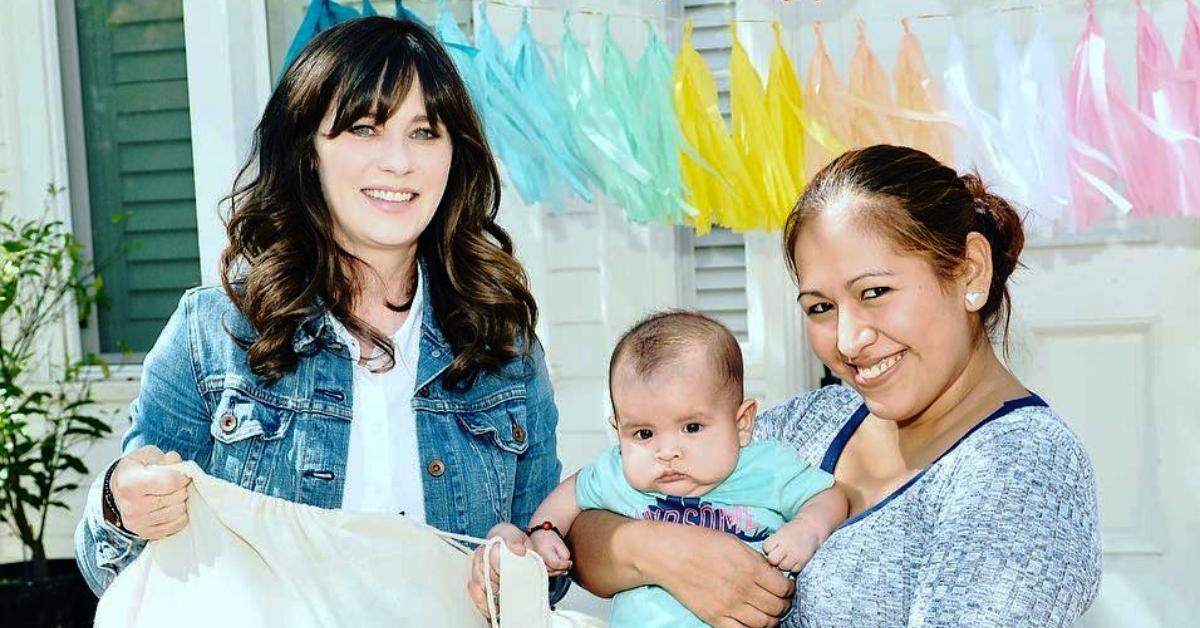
(98, 427)
(74, 464)
(8, 295)
(86, 431)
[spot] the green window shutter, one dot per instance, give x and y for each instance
(139, 153)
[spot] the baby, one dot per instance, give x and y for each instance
(685, 456)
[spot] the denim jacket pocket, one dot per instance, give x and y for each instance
(503, 424)
(245, 431)
(493, 438)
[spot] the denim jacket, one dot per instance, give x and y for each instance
(487, 453)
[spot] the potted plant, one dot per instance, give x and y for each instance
(45, 421)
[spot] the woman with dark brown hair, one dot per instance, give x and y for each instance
(971, 502)
(372, 346)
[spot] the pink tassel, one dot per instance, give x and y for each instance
(1152, 174)
(1189, 114)
(1189, 71)
(1155, 68)
(1093, 170)
(1112, 140)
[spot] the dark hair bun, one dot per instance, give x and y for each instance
(1002, 226)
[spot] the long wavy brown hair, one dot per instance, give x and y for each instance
(283, 266)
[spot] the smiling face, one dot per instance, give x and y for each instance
(680, 427)
(882, 321)
(383, 180)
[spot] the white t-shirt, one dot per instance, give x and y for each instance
(383, 467)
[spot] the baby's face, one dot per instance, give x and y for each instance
(680, 429)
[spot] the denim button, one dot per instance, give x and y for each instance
(436, 468)
(424, 391)
(437, 353)
(228, 422)
(518, 433)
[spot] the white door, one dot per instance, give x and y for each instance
(1109, 334)
(1108, 331)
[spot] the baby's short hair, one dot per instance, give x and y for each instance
(661, 338)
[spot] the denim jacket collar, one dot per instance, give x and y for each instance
(436, 353)
(429, 327)
(313, 328)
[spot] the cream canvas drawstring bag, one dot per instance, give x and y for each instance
(247, 559)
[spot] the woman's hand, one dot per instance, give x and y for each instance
(517, 542)
(152, 501)
(714, 574)
(719, 578)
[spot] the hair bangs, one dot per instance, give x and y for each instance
(376, 89)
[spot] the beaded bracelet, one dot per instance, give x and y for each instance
(545, 525)
(110, 500)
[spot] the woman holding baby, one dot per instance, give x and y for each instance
(970, 503)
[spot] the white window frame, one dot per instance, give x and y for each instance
(229, 82)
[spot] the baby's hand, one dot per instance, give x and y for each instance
(550, 546)
(792, 545)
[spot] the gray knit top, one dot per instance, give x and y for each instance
(1001, 530)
